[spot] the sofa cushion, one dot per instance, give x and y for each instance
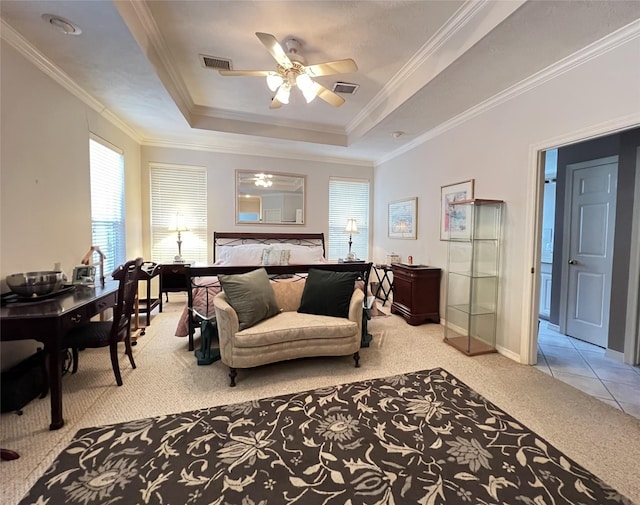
(327, 293)
(294, 327)
(251, 296)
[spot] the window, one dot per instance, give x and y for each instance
(178, 197)
(348, 199)
(107, 202)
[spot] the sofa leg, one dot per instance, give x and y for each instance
(356, 358)
(233, 373)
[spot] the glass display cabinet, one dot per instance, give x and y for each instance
(472, 276)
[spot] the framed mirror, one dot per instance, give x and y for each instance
(269, 198)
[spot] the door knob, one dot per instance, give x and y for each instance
(573, 262)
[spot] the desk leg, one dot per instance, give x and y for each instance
(148, 303)
(55, 384)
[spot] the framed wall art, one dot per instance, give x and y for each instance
(453, 223)
(403, 218)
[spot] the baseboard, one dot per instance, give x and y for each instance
(617, 355)
(508, 354)
(554, 327)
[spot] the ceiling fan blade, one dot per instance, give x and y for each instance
(332, 67)
(328, 95)
(275, 49)
(275, 103)
(251, 73)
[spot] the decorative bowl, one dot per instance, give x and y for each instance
(36, 283)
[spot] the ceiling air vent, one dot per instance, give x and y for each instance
(345, 87)
(215, 62)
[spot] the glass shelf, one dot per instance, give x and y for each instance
(472, 279)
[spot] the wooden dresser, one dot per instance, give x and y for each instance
(416, 293)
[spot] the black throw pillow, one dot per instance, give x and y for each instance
(251, 296)
(327, 293)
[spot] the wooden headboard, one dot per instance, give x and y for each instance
(232, 238)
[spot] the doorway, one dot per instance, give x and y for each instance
(621, 339)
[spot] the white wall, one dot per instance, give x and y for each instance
(494, 148)
(45, 187)
(45, 205)
(221, 183)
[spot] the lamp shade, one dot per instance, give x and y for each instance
(351, 227)
(178, 224)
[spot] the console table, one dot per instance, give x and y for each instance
(416, 293)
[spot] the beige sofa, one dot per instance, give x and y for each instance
(289, 334)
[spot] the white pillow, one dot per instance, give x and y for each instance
(246, 254)
(302, 255)
(272, 256)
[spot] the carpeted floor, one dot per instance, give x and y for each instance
(422, 437)
(603, 440)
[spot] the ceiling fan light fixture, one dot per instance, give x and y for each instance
(274, 81)
(310, 93)
(283, 93)
(304, 82)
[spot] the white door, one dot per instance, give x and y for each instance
(591, 192)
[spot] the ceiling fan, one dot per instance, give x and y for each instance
(293, 72)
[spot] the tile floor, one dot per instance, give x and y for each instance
(585, 367)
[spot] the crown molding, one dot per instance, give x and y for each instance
(144, 29)
(257, 149)
(467, 26)
(598, 48)
(201, 110)
(20, 44)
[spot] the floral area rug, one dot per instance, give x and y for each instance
(422, 438)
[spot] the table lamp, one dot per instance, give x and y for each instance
(351, 228)
(179, 226)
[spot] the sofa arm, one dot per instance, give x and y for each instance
(356, 308)
(228, 326)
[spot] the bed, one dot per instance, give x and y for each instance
(287, 257)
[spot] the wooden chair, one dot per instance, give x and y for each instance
(95, 334)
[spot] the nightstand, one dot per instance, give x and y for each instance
(416, 293)
(172, 279)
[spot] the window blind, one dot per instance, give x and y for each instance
(178, 193)
(107, 202)
(348, 199)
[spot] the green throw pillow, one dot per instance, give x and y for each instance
(328, 293)
(251, 296)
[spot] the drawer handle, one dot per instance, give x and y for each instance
(77, 318)
(102, 305)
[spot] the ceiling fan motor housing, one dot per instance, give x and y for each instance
(293, 51)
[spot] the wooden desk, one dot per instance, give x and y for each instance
(48, 321)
